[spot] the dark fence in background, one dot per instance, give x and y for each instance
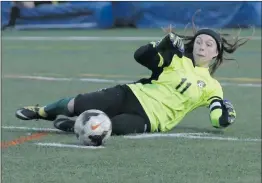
(135, 14)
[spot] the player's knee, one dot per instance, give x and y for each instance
(118, 126)
(125, 124)
(71, 105)
(76, 104)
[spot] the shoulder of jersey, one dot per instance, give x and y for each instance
(215, 82)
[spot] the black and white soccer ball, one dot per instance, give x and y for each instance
(93, 128)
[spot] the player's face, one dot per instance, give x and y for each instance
(205, 49)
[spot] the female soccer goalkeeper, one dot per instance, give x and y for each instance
(181, 81)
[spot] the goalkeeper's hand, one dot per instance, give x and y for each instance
(230, 110)
(171, 42)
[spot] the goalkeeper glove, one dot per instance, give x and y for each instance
(171, 42)
(230, 110)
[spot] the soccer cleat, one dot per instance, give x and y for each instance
(30, 113)
(64, 124)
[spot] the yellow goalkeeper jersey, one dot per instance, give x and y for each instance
(180, 88)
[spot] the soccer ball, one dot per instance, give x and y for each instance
(93, 128)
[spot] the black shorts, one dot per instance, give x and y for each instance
(120, 104)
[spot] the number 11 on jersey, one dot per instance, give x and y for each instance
(188, 84)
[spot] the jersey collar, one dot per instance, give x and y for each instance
(190, 55)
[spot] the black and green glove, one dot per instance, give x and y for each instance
(231, 113)
(171, 42)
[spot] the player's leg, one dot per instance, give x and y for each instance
(127, 117)
(108, 100)
(124, 124)
(37, 112)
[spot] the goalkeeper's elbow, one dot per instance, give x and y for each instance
(222, 114)
(220, 123)
(220, 118)
(215, 122)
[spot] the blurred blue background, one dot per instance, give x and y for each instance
(133, 14)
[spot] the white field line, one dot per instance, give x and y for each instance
(68, 145)
(31, 129)
(41, 78)
(190, 136)
(86, 38)
(98, 80)
(205, 136)
(47, 26)
(22, 128)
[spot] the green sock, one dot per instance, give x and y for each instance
(57, 108)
